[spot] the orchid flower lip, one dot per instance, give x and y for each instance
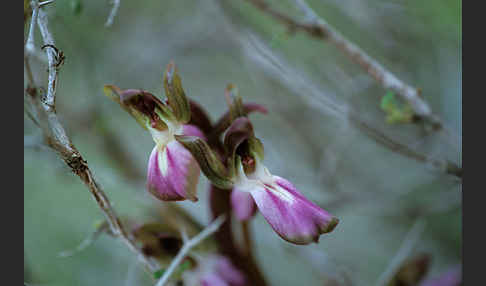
(260, 178)
(292, 216)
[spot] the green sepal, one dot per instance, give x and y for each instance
(240, 131)
(114, 93)
(208, 160)
(175, 94)
(147, 109)
(256, 147)
(234, 101)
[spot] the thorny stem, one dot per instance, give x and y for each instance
(58, 140)
(319, 28)
(188, 245)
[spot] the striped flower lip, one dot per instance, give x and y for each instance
(173, 173)
(289, 213)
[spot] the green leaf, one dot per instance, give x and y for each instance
(388, 102)
(159, 273)
(395, 111)
(186, 265)
(76, 7)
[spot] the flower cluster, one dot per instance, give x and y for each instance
(186, 143)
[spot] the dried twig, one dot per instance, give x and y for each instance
(30, 45)
(299, 84)
(100, 229)
(114, 10)
(41, 4)
(56, 138)
(445, 166)
(317, 27)
(188, 245)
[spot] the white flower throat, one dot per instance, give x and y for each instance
(162, 138)
(260, 179)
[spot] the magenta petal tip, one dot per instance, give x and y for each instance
(291, 215)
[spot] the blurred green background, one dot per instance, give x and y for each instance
(308, 87)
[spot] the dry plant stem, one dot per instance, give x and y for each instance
(405, 249)
(318, 28)
(221, 204)
(56, 138)
(114, 10)
(282, 72)
(445, 166)
(45, 3)
(210, 229)
(30, 46)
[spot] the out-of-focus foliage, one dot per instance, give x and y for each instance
(377, 194)
(395, 112)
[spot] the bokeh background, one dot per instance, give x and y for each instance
(385, 201)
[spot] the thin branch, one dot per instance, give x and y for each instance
(104, 227)
(52, 60)
(445, 166)
(114, 10)
(30, 45)
(210, 229)
(318, 28)
(41, 4)
(329, 104)
(403, 252)
(56, 138)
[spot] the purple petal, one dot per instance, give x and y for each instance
(453, 277)
(172, 173)
(192, 130)
(214, 270)
(242, 204)
(291, 215)
(228, 272)
(212, 279)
